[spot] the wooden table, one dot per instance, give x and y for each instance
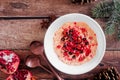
(20, 24)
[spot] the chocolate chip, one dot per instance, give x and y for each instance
(81, 51)
(84, 39)
(86, 43)
(73, 56)
(70, 53)
(64, 45)
(2, 66)
(71, 30)
(63, 39)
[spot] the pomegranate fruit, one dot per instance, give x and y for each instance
(21, 75)
(9, 61)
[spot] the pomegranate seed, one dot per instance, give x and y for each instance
(65, 54)
(90, 38)
(80, 58)
(83, 30)
(58, 46)
(75, 23)
(88, 51)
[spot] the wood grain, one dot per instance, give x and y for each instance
(111, 58)
(42, 7)
(18, 33)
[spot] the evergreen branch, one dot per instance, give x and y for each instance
(110, 27)
(112, 22)
(117, 6)
(103, 9)
(111, 10)
(115, 17)
(117, 9)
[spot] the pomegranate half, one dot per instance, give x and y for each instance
(21, 75)
(9, 61)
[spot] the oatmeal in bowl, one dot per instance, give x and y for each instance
(75, 43)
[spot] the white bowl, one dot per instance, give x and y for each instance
(52, 56)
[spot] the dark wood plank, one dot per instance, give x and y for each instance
(42, 7)
(17, 34)
(111, 58)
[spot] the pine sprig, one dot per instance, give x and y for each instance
(103, 10)
(112, 23)
(111, 10)
(110, 27)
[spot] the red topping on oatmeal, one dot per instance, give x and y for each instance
(83, 30)
(74, 44)
(58, 46)
(94, 34)
(90, 37)
(74, 22)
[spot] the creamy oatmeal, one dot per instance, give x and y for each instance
(75, 43)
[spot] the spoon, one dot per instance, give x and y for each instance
(34, 61)
(37, 48)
